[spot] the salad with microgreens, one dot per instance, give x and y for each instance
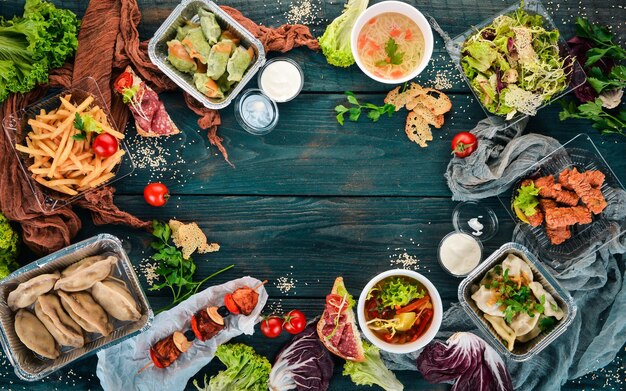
(517, 307)
(514, 65)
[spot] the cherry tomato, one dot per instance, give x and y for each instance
(194, 328)
(156, 194)
(464, 144)
(104, 145)
(295, 322)
(230, 304)
(272, 326)
(125, 80)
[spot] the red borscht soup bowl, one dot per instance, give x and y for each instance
(400, 311)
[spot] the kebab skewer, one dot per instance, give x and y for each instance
(205, 324)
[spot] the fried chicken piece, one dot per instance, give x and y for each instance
(594, 177)
(537, 219)
(562, 217)
(549, 189)
(591, 196)
(246, 299)
(558, 235)
(547, 203)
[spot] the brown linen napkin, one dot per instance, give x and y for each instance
(104, 50)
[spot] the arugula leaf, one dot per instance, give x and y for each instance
(373, 112)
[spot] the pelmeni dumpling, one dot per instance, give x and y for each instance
(27, 292)
(34, 335)
(116, 299)
(523, 323)
(84, 277)
(66, 332)
(551, 308)
(532, 334)
(504, 331)
(86, 312)
(83, 263)
(486, 300)
(517, 267)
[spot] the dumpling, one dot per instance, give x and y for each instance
(207, 86)
(196, 45)
(229, 36)
(531, 335)
(523, 323)
(486, 300)
(218, 58)
(551, 308)
(504, 331)
(27, 292)
(116, 299)
(50, 312)
(517, 268)
(210, 28)
(177, 56)
(86, 312)
(84, 277)
(34, 335)
(238, 63)
(181, 32)
(83, 263)
(223, 82)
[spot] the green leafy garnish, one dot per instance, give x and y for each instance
(603, 40)
(129, 93)
(615, 80)
(176, 271)
(397, 292)
(394, 57)
(85, 124)
(546, 322)
(527, 200)
(354, 112)
(603, 121)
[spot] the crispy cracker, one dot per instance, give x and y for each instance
(417, 129)
(429, 116)
(189, 237)
(396, 98)
(439, 104)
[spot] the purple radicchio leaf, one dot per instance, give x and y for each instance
(499, 84)
(467, 358)
(303, 364)
(579, 47)
(510, 45)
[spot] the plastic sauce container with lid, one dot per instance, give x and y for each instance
(459, 253)
(256, 112)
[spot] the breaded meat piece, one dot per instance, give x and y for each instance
(537, 219)
(549, 189)
(547, 203)
(558, 235)
(591, 196)
(562, 217)
(594, 177)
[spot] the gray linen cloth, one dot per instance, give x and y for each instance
(596, 282)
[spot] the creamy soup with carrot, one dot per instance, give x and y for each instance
(390, 45)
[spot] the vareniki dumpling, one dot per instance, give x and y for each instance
(210, 28)
(86, 312)
(523, 323)
(27, 292)
(238, 63)
(66, 332)
(504, 331)
(551, 308)
(84, 277)
(486, 300)
(83, 263)
(34, 335)
(516, 268)
(116, 299)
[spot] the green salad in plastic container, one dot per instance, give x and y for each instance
(514, 65)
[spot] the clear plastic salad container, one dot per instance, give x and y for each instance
(527, 350)
(579, 152)
(187, 10)
(533, 7)
(27, 365)
(16, 128)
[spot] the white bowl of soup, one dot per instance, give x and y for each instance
(392, 42)
(400, 311)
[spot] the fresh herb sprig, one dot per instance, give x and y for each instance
(373, 112)
(603, 40)
(394, 57)
(177, 272)
(615, 80)
(85, 124)
(603, 121)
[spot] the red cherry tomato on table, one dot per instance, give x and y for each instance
(156, 194)
(104, 145)
(230, 304)
(272, 326)
(464, 144)
(295, 322)
(123, 81)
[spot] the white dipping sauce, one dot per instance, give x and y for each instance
(281, 81)
(459, 253)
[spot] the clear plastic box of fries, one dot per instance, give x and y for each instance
(53, 140)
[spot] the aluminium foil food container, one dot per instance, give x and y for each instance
(527, 350)
(30, 367)
(187, 10)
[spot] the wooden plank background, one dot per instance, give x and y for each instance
(313, 200)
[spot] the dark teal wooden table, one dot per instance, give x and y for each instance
(314, 200)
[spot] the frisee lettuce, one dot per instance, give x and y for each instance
(527, 200)
(397, 292)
